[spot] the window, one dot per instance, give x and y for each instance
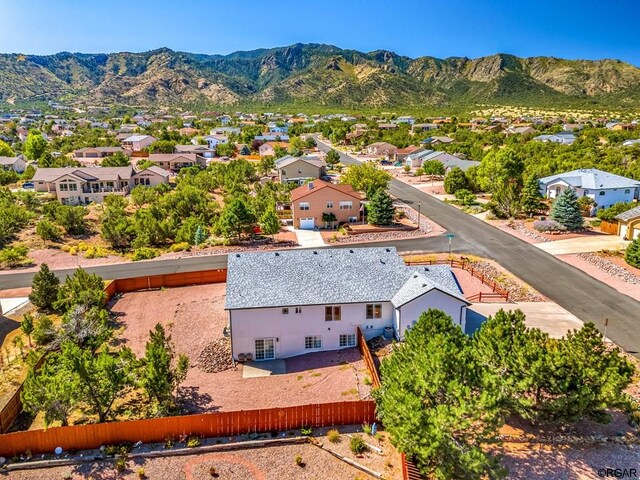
(285, 311)
(627, 191)
(346, 205)
(353, 219)
(73, 187)
(304, 205)
(313, 342)
(64, 187)
(298, 309)
(329, 204)
(284, 172)
(602, 192)
(374, 310)
(348, 340)
(332, 313)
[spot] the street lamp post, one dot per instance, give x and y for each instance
(419, 216)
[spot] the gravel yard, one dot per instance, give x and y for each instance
(195, 318)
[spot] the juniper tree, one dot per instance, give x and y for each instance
(455, 180)
(531, 202)
(566, 210)
(435, 405)
(632, 254)
(81, 288)
(269, 222)
(44, 288)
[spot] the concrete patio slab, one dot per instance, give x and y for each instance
(309, 238)
(263, 369)
(7, 305)
(547, 316)
(583, 244)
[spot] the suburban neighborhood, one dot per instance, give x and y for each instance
(312, 262)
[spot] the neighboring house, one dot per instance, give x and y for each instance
(629, 224)
(287, 303)
(135, 143)
(416, 160)
(572, 127)
(565, 138)
(403, 153)
(387, 126)
(17, 164)
(406, 119)
(269, 149)
(631, 143)
(188, 131)
(83, 185)
(213, 140)
(605, 188)
(95, 152)
(272, 137)
(200, 150)
(382, 149)
(525, 130)
(299, 169)
(310, 201)
(437, 140)
(176, 161)
(424, 127)
(225, 131)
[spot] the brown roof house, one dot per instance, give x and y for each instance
(176, 161)
(320, 204)
(299, 169)
(382, 148)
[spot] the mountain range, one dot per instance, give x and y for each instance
(318, 75)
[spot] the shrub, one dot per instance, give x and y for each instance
(366, 428)
(94, 251)
(141, 472)
(548, 226)
(213, 472)
(44, 331)
(333, 436)
(366, 381)
(193, 442)
(144, 253)
(609, 214)
(357, 445)
(632, 254)
(121, 464)
(306, 431)
(14, 256)
(180, 247)
(299, 461)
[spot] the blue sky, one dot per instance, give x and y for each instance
(570, 29)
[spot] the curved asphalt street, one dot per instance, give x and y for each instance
(582, 295)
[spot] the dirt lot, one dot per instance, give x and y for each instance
(195, 317)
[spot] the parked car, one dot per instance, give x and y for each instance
(28, 185)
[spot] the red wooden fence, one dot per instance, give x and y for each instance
(609, 227)
(153, 430)
(368, 359)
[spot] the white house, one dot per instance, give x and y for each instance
(605, 188)
(449, 161)
(213, 140)
(565, 138)
(292, 302)
(135, 143)
(17, 164)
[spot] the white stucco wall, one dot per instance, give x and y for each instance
(608, 198)
(409, 313)
(291, 329)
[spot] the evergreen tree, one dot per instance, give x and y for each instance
(455, 180)
(27, 326)
(236, 219)
(118, 159)
(116, 227)
(333, 157)
(435, 405)
(199, 236)
(566, 210)
(44, 288)
(632, 254)
(531, 202)
(269, 222)
(47, 230)
(34, 146)
(381, 210)
(81, 288)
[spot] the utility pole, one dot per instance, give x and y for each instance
(419, 216)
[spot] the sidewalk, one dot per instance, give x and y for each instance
(583, 244)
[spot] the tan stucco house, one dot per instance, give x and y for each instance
(310, 201)
(81, 186)
(300, 169)
(629, 224)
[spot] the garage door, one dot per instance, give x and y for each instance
(635, 233)
(306, 223)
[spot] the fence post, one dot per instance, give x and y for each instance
(480, 297)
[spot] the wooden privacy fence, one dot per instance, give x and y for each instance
(609, 227)
(368, 359)
(499, 292)
(79, 437)
(170, 280)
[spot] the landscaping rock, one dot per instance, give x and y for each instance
(216, 357)
(519, 227)
(611, 268)
(517, 291)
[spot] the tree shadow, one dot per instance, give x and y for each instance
(7, 325)
(193, 401)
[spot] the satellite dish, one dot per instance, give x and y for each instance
(58, 450)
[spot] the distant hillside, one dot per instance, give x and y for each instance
(320, 75)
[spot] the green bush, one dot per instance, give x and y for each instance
(609, 214)
(357, 445)
(14, 256)
(44, 331)
(144, 253)
(180, 247)
(632, 254)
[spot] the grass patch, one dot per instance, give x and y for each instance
(353, 391)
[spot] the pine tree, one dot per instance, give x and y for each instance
(381, 210)
(455, 180)
(27, 325)
(44, 288)
(199, 236)
(81, 288)
(632, 254)
(566, 210)
(531, 199)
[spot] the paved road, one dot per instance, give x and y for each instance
(582, 295)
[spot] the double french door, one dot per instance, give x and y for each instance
(265, 348)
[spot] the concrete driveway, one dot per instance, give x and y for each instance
(309, 238)
(547, 316)
(583, 244)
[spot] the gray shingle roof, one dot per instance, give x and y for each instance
(629, 214)
(592, 178)
(289, 159)
(328, 276)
